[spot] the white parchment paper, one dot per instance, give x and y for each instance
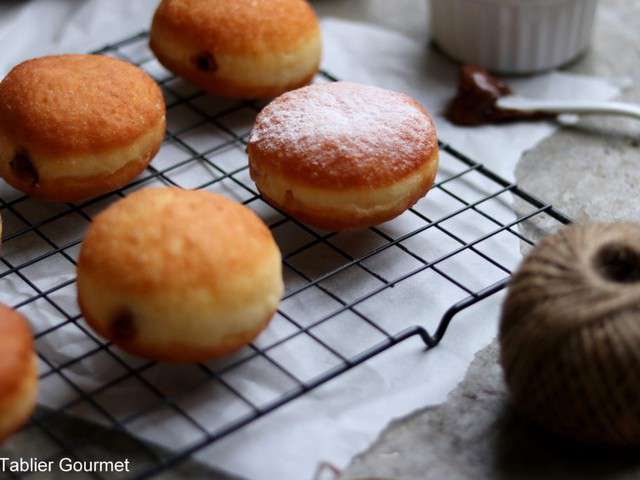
(341, 418)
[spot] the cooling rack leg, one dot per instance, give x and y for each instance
(466, 303)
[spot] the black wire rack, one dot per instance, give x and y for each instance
(334, 283)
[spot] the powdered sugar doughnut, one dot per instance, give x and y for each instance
(342, 155)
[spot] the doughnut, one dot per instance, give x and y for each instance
(241, 48)
(76, 126)
(343, 156)
(179, 276)
(18, 372)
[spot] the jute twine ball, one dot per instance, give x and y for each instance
(570, 334)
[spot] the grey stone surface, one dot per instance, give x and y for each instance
(591, 171)
(431, 443)
(477, 435)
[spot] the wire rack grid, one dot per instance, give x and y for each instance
(335, 284)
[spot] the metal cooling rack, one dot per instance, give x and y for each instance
(345, 273)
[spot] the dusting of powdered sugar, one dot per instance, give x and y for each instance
(344, 127)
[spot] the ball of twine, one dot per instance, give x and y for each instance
(570, 334)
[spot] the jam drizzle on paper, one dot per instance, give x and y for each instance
(477, 97)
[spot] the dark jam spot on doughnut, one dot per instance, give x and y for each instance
(23, 167)
(205, 62)
(123, 325)
(618, 263)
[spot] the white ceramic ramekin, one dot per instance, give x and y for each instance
(513, 36)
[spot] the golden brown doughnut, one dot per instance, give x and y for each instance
(179, 275)
(343, 155)
(239, 48)
(76, 126)
(18, 372)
